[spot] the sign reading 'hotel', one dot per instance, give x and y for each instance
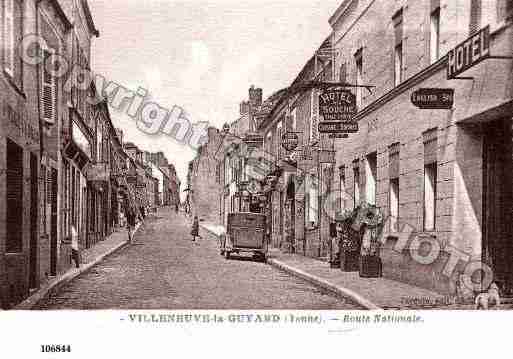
(337, 105)
(469, 53)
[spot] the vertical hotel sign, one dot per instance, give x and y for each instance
(469, 53)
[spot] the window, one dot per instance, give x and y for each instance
(356, 184)
(343, 195)
(359, 77)
(342, 76)
(398, 49)
(476, 7)
(313, 200)
(293, 114)
(9, 37)
(393, 196)
(434, 42)
(371, 178)
(279, 133)
(429, 196)
(430, 179)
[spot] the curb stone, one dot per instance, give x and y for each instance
(67, 277)
(337, 290)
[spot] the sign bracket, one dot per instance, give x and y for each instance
(463, 78)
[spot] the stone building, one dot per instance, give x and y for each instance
(443, 174)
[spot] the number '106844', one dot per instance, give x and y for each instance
(56, 348)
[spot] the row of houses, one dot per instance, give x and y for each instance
(63, 165)
(442, 173)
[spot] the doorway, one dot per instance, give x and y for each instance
(33, 249)
(53, 221)
(497, 250)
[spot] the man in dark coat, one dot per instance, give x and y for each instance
(195, 228)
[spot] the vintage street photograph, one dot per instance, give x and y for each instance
(256, 155)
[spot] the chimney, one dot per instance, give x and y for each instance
(244, 107)
(255, 96)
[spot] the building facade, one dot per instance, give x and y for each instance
(444, 174)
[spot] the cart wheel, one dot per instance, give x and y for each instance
(227, 254)
(221, 252)
(263, 259)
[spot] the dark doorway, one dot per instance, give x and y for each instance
(14, 217)
(53, 221)
(497, 202)
(290, 215)
(33, 274)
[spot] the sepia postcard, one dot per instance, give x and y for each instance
(175, 171)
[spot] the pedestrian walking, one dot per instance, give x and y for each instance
(176, 208)
(130, 223)
(75, 254)
(195, 228)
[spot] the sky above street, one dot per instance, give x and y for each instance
(203, 55)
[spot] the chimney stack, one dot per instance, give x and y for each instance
(255, 96)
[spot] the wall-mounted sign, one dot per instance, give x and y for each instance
(338, 127)
(469, 53)
(254, 140)
(289, 141)
(337, 105)
(433, 98)
(338, 135)
(98, 172)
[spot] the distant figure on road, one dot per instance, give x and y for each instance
(176, 207)
(195, 228)
(130, 223)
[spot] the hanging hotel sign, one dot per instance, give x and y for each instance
(469, 53)
(337, 105)
(289, 141)
(433, 98)
(338, 108)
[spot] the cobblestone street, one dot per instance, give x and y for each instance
(163, 269)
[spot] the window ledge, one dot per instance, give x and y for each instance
(11, 82)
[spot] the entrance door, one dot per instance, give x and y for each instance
(33, 272)
(53, 222)
(498, 184)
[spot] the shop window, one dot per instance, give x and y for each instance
(371, 178)
(398, 47)
(434, 42)
(14, 198)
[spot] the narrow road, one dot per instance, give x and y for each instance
(163, 269)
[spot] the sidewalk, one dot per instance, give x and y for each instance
(370, 293)
(90, 258)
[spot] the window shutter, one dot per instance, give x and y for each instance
(9, 37)
(398, 27)
(48, 92)
(393, 166)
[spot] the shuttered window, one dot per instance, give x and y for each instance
(356, 183)
(343, 73)
(9, 37)
(393, 196)
(14, 198)
(48, 91)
